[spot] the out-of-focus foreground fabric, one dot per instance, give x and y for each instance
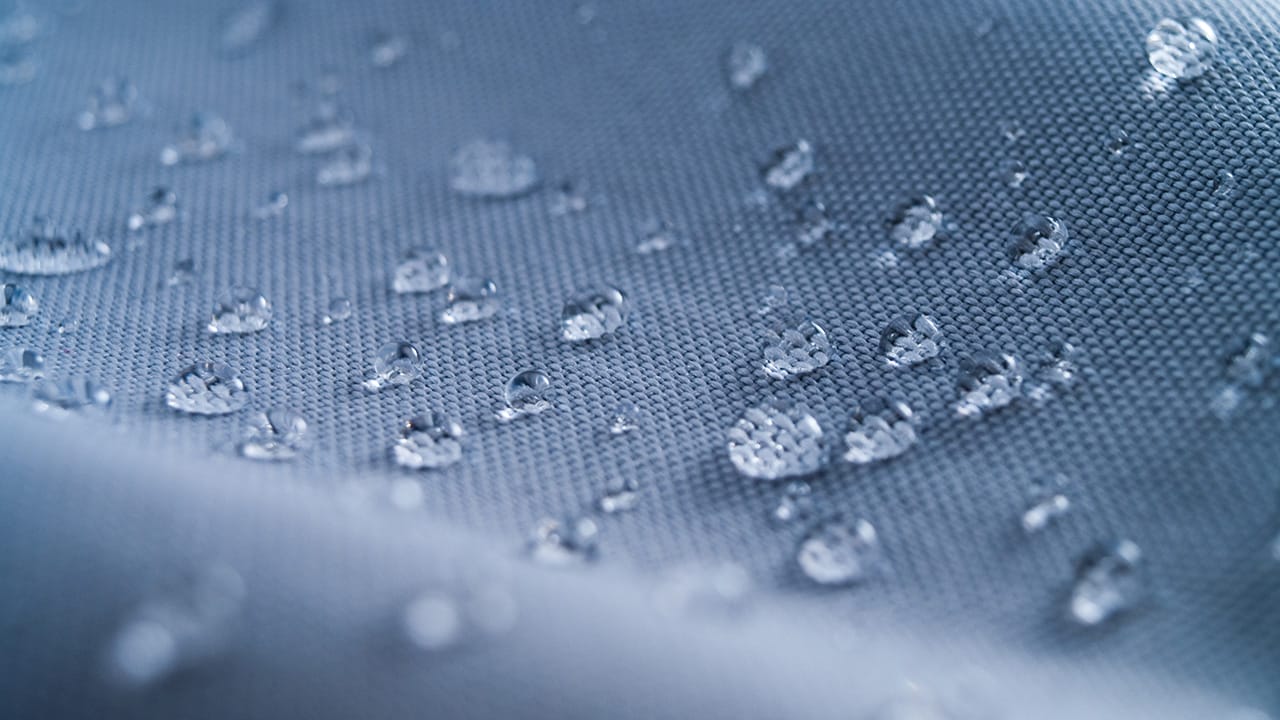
(1162, 281)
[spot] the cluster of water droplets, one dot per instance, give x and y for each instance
(1245, 371)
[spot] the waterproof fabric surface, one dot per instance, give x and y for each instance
(1161, 283)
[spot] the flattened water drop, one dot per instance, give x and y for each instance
(789, 166)
(45, 249)
(421, 270)
(112, 103)
(339, 310)
(526, 394)
(470, 299)
(206, 137)
(1183, 49)
(330, 127)
(910, 341)
(160, 208)
(1252, 361)
(624, 419)
(795, 504)
(484, 168)
(66, 396)
(1046, 502)
(17, 306)
(1110, 580)
(432, 440)
(388, 49)
(21, 365)
(348, 165)
(814, 224)
(240, 310)
(1041, 242)
(746, 64)
(879, 430)
(777, 440)
(571, 541)
(396, 363)
(791, 351)
(839, 552)
(207, 388)
(183, 273)
(276, 435)
(593, 314)
(988, 382)
(916, 223)
(657, 236)
(621, 495)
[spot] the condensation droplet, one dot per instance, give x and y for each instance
(776, 298)
(64, 397)
(275, 205)
(240, 310)
(657, 236)
(1041, 242)
(793, 350)
(17, 306)
(112, 103)
(421, 270)
(330, 127)
(878, 430)
(624, 419)
(916, 223)
(777, 440)
(988, 382)
(1182, 49)
(1052, 371)
(183, 273)
(620, 495)
(470, 299)
(207, 388)
(1047, 501)
(1245, 370)
(396, 363)
(68, 326)
(593, 314)
(746, 63)
(526, 394)
(814, 224)
(339, 310)
(275, 435)
(795, 504)
(388, 49)
(161, 208)
(45, 249)
(1110, 580)
(910, 341)
(789, 166)
(432, 440)
(484, 168)
(1012, 131)
(205, 137)
(21, 365)
(571, 541)
(347, 165)
(1014, 173)
(1223, 187)
(1118, 141)
(839, 552)
(567, 199)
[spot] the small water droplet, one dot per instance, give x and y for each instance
(432, 440)
(17, 305)
(593, 314)
(470, 299)
(1109, 580)
(1041, 242)
(620, 495)
(658, 236)
(17, 67)
(245, 26)
(396, 363)
(207, 388)
(205, 137)
(988, 382)
(1051, 371)
(1223, 187)
(878, 430)
(1118, 141)
(886, 260)
(421, 270)
(916, 223)
(1014, 173)
(388, 49)
(240, 310)
(586, 13)
(1226, 402)
(278, 434)
(625, 418)
(839, 552)
(564, 542)
(1252, 362)
(339, 310)
(1046, 502)
(984, 27)
(793, 349)
(21, 365)
(68, 326)
(432, 621)
(347, 165)
(911, 341)
(526, 394)
(484, 168)
(789, 166)
(815, 225)
(112, 103)
(1182, 49)
(567, 199)
(777, 440)
(776, 298)
(331, 127)
(183, 273)
(275, 204)
(1012, 131)
(63, 397)
(45, 249)
(161, 208)
(747, 63)
(795, 504)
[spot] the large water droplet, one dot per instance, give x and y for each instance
(747, 63)
(339, 310)
(17, 305)
(879, 430)
(911, 341)
(470, 299)
(432, 621)
(571, 541)
(916, 223)
(839, 552)
(113, 102)
(526, 394)
(388, 49)
(1109, 580)
(161, 208)
(63, 397)
(619, 496)
(432, 440)
(21, 365)
(396, 363)
(330, 127)
(206, 137)
(244, 27)
(346, 166)
(1046, 502)
(624, 419)
(988, 382)
(278, 434)
(240, 310)
(484, 168)
(789, 166)
(593, 314)
(207, 388)
(45, 249)
(793, 350)
(777, 440)
(1182, 49)
(1041, 242)
(421, 270)
(795, 504)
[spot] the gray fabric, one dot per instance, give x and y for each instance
(898, 99)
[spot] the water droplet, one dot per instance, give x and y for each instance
(625, 418)
(620, 496)
(278, 434)
(777, 440)
(245, 26)
(161, 208)
(1182, 49)
(17, 306)
(658, 236)
(184, 272)
(113, 102)
(1051, 371)
(68, 326)
(906, 342)
(63, 397)
(1118, 141)
(177, 630)
(1012, 131)
(17, 67)
(789, 166)
(1014, 173)
(421, 270)
(814, 224)
(45, 249)
(839, 552)
(1041, 242)
(470, 299)
(916, 223)
(564, 542)
(484, 168)
(240, 310)
(331, 127)
(207, 388)
(346, 166)
(567, 199)
(792, 350)
(1226, 402)
(526, 394)
(431, 441)
(593, 314)
(796, 504)
(747, 63)
(432, 621)
(397, 363)
(1046, 503)
(1224, 186)
(776, 298)
(21, 365)
(206, 137)
(987, 383)
(388, 49)
(878, 430)
(1109, 581)
(339, 310)
(1251, 363)
(275, 205)
(886, 260)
